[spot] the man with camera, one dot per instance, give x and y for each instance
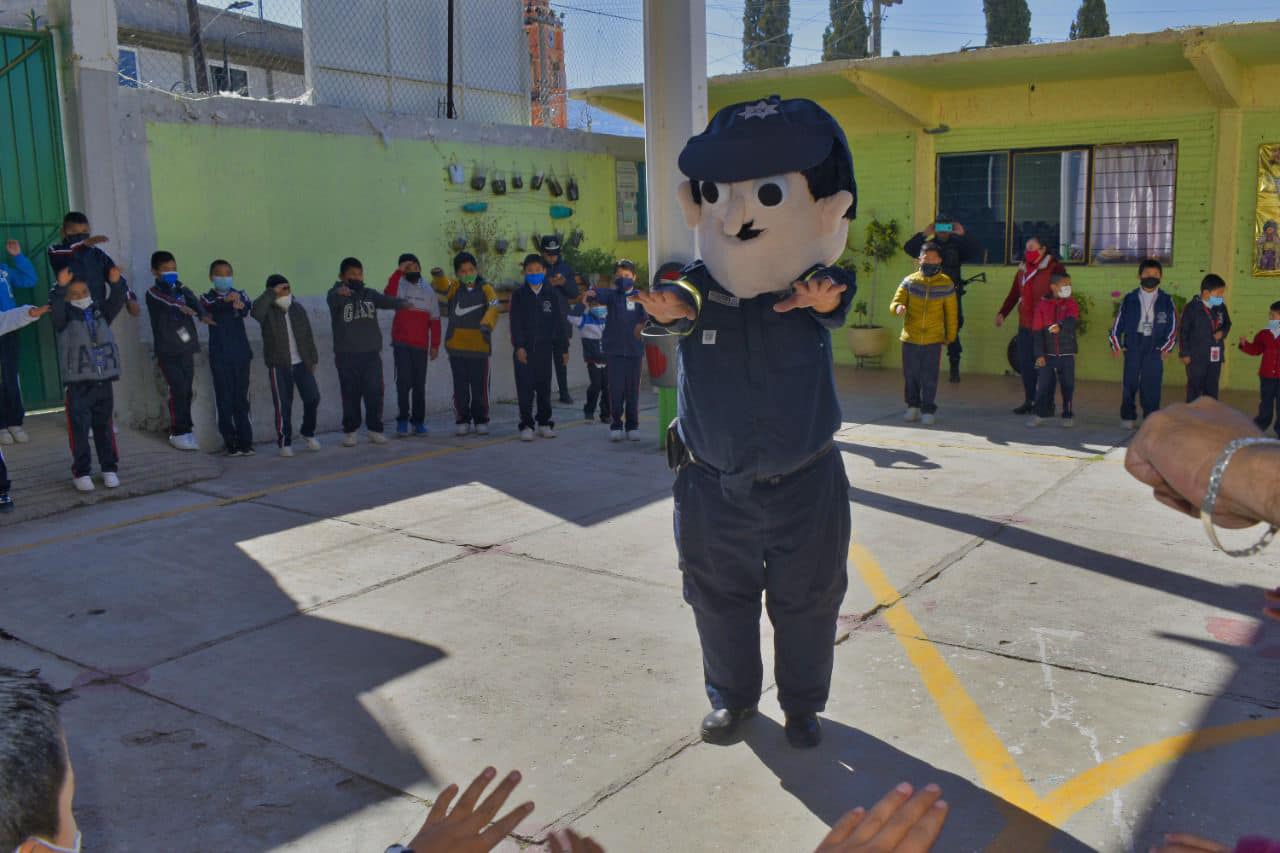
(958, 248)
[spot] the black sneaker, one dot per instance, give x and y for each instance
(6, 503)
(566, 399)
(955, 373)
(1024, 409)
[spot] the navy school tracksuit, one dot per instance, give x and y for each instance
(625, 353)
(357, 351)
(229, 358)
(757, 412)
(176, 344)
(1202, 337)
(89, 362)
(539, 327)
(590, 328)
(1146, 337)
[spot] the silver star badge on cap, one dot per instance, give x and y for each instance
(760, 109)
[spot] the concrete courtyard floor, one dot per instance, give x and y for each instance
(299, 654)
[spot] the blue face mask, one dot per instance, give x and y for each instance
(602, 311)
(222, 283)
(624, 283)
(1214, 301)
(535, 278)
(169, 278)
(1274, 326)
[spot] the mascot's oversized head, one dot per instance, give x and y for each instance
(770, 190)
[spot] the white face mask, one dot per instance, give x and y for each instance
(83, 304)
(1064, 292)
(285, 301)
(53, 848)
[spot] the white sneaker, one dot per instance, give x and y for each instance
(633, 435)
(312, 443)
(1068, 423)
(191, 442)
(1034, 421)
(349, 439)
(19, 434)
(547, 431)
(83, 484)
(5, 437)
(463, 429)
(482, 429)
(377, 438)
(912, 415)
(927, 420)
(110, 480)
(286, 451)
(526, 434)
(177, 442)
(615, 435)
(1129, 424)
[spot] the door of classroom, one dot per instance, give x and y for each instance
(33, 190)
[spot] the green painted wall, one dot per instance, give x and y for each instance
(298, 202)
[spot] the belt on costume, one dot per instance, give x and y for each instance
(777, 479)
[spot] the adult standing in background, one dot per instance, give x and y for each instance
(957, 247)
(560, 275)
(1030, 285)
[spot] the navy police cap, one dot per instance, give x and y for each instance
(770, 136)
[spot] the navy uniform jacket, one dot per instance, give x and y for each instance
(620, 327)
(538, 319)
(228, 340)
(1126, 332)
(757, 391)
(1195, 331)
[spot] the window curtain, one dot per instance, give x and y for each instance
(1133, 188)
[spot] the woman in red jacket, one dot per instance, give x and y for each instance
(1030, 285)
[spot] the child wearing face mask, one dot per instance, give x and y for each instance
(89, 362)
(624, 350)
(538, 330)
(926, 300)
(229, 357)
(415, 338)
(357, 349)
(1143, 334)
(1267, 344)
(11, 320)
(589, 318)
(173, 310)
(1054, 330)
(472, 306)
(1202, 336)
(289, 350)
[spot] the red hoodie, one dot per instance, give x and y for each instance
(1266, 345)
(1029, 287)
(418, 325)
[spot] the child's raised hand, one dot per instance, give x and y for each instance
(64, 276)
(1054, 329)
(437, 272)
(899, 310)
(12, 247)
(38, 311)
(113, 275)
(344, 291)
(95, 240)
(1040, 361)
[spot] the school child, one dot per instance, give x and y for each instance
(357, 349)
(926, 300)
(229, 358)
(1202, 335)
(289, 350)
(471, 304)
(624, 350)
(589, 318)
(415, 337)
(11, 320)
(89, 362)
(1054, 327)
(173, 309)
(1144, 332)
(538, 334)
(20, 275)
(1267, 344)
(78, 250)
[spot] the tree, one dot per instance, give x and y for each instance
(766, 34)
(846, 35)
(1091, 20)
(1008, 22)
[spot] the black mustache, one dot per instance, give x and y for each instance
(746, 232)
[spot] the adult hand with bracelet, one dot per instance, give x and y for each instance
(1178, 451)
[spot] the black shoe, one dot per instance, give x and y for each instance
(804, 731)
(721, 727)
(566, 399)
(955, 373)
(6, 503)
(589, 415)
(604, 418)
(1025, 409)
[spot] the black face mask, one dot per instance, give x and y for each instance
(1150, 283)
(931, 270)
(413, 277)
(354, 284)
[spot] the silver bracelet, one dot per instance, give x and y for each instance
(1211, 498)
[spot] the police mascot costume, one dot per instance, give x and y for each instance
(761, 496)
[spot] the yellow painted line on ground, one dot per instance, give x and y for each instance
(260, 493)
(996, 768)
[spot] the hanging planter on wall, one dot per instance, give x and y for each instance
(571, 191)
(575, 237)
(517, 179)
(499, 184)
(560, 211)
(535, 241)
(475, 207)
(554, 186)
(477, 177)
(536, 182)
(457, 174)
(501, 245)
(459, 243)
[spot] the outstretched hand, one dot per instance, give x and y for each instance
(664, 306)
(822, 294)
(899, 823)
(13, 247)
(462, 829)
(38, 310)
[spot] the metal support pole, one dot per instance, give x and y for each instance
(197, 45)
(449, 111)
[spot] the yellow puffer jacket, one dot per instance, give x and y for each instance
(932, 315)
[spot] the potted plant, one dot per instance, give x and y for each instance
(867, 339)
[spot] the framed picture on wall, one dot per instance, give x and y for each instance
(1266, 246)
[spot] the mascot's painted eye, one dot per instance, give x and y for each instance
(710, 191)
(771, 191)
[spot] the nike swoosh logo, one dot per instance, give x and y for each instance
(458, 312)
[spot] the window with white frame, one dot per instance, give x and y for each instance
(229, 79)
(127, 67)
(1133, 202)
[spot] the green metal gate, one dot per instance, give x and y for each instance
(33, 189)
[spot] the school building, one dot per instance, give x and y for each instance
(1114, 148)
